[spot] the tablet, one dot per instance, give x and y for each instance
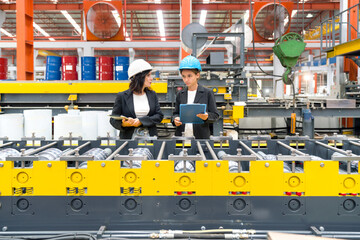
(118, 117)
(188, 113)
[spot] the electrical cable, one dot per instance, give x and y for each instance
(79, 236)
(258, 87)
(303, 24)
(297, 10)
(294, 99)
(274, 20)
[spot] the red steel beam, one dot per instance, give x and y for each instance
(186, 16)
(169, 7)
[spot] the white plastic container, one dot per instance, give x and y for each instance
(12, 126)
(64, 124)
(104, 126)
(38, 122)
(89, 124)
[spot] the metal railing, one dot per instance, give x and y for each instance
(332, 29)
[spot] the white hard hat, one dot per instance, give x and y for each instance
(138, 66)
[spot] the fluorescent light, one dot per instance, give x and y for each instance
(293, 13)
(160, 18)
(6, 33)
(157, 1)
(203, 17)
(5, 1)
(42, 31)
(203, 14)
(117, 17)
(309, 15)
(71, 20)
(55, 1)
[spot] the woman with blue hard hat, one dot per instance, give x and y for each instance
(190, 69)
(138, 106)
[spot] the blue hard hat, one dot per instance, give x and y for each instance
(190, 62)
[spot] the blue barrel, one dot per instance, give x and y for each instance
(157, 75)
(121, 68)
(88, 68)
(53, 68)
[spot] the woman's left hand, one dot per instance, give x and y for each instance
(136, 123)
(203, 116)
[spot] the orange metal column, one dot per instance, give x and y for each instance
(315, 82)
(353, 71)
(186, 17)
(354, 17)
(25, 40)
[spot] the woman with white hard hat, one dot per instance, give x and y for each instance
(138, 105)
(190, 69)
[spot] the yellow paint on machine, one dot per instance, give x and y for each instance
(157, 178)
(73, 87)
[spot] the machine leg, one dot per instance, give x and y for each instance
(308, 123)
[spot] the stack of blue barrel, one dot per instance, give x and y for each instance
(121, 68)
(53, 68)
(88, 68)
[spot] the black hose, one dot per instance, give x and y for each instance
(74, 236)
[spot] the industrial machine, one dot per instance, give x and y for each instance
(133, 189)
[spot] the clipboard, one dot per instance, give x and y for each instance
(188, 113)
(118, 117)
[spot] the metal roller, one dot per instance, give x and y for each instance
(179, 165)
(138, 152)
(50, 154)
(97, 153)
(9, 152)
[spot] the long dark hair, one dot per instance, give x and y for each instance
(137, 81)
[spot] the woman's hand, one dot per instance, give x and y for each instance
(128, 122)
(136, 123)
(177, 121)
(203, 116)
(131, 122)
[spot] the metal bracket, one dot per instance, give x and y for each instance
(259, 138)
(293, 158)
(22, 159)
(297, 138)
(130, 158)
(101, 231)
(77, 158)
(316, 231)
(173, 157)
(239, 157)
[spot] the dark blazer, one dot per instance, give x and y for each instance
(204, 96)
(124, 105)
